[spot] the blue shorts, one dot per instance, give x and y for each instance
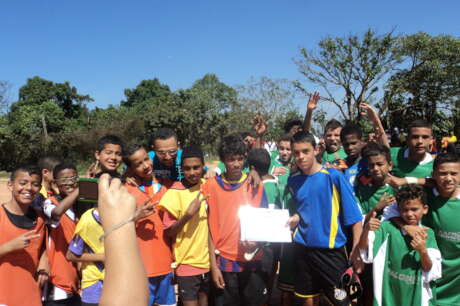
(162, 290)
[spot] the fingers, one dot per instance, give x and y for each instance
(115, 185)
(373, 214)
(31, 234)
(103, 184)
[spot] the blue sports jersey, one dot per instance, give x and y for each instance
(326, 206)
(161, 171)
(354, 170)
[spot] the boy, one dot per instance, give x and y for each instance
(21, 239)
(46, 165)
(280, 160)
(326, 211)
(239, 282)
(334, 152)
(108, 156)
(414, 161)
(185, 220)
(154, 249)
(403, 267)
(351, 138)
(166, 155)
(86, 247)
(58, 209)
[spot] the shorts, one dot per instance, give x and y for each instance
(161, 290)
(286, 277)
(189, 286)
(247, 288)
(319, 270)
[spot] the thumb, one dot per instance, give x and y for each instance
(29, 234)
(374, 214)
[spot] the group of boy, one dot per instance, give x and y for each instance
(361, 203)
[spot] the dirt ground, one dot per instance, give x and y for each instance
(4, 192)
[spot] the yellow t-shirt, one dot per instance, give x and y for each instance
(191, 246)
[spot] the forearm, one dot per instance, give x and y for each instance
(425, 260)
(65, 204)
(356, 230)
(123, 259)
(177, 226)
(44, 262)
(5, 249)
(85, 257)
(212, 252)
(307, 121)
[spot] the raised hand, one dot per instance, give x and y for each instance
(373, 223)
(260, 126)
(313, 100)
(195, 205)
(22, 241)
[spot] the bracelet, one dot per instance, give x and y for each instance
(411, 180)
(117, 227)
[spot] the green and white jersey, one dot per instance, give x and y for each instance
(403, 167)
(443, 218)
(273, 193)
(398, 275)
(332, 157)
(369, 195)
(275, 163)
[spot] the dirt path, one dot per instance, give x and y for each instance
(4, 192)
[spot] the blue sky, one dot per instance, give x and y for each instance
(103, 47)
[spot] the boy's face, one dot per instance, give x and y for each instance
(447, 177)
(284, 150)
(233, 165)
(25, 187)
(193, 170)
(294, 129)
(419, 140)
(47, 175)
(332, 139)
(412, 211)
(141, 164)
(352, 145)
(67, 181)
(166, 150)
(378, 167)
(110, 157)
(304, 155)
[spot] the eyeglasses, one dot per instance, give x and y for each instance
(67, 180)
(164, 153)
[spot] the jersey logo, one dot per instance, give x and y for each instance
(340, 294)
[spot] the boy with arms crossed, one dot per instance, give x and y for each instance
(326, 211)
(155, 251)
(21, 240)
(403, 267)
(58, 209)
(239, 282)
(185, 219)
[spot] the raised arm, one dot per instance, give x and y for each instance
(311, 105)
(65, 204)
(378, 127)
(260, 128)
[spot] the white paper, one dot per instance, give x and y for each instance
(264, 224)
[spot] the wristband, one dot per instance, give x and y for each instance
(411, 180)
(131, 219)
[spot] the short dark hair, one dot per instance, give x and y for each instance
(374, 149)
(302, 136)
(410, 192)
(48, 162)
(290, 123)
(232, 145)
(332, 125)
(62, 166)
(443, 158)
(29, 169)
(163, 134)
(130, 150)
(351, 129)
(246, 134)
(260, 160)
(109, 139)
(285, 137)
(419, 123)
(192, 151)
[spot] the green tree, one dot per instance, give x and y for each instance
(4, 98)
(427, 86)
(349, 69)
(147, 92)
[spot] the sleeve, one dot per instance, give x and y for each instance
(169, 202)
(351, 213)
(168, 219)
(436, 260)
(375, 242)
(390, 212)
(48, 207)
(77, 245)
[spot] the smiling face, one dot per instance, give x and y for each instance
(332, 139)
(166, 151)
(67, 181)
(110, 157)
(193, 169)
(419, 140)
(284, 150)
(447, 177)
(412, 211)
(25, 187)
(141, 165)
